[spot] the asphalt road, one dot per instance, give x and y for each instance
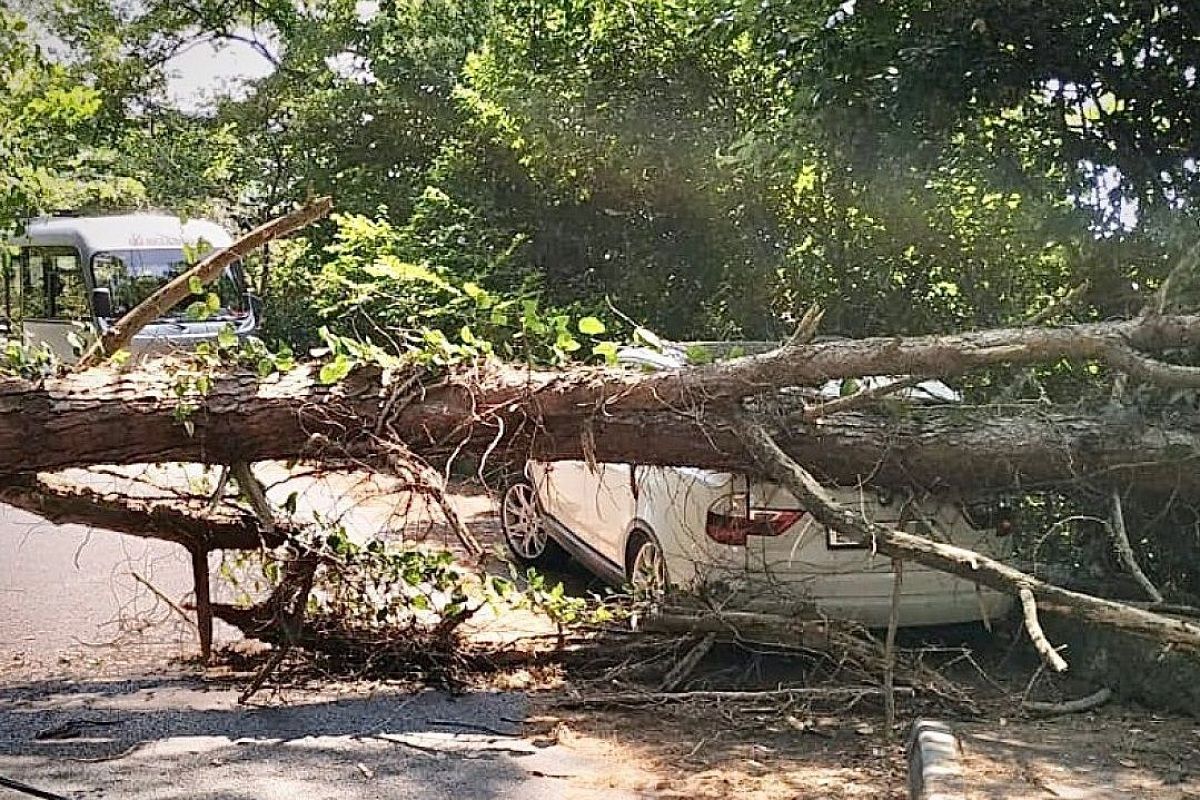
(69, 601)
(94, 702)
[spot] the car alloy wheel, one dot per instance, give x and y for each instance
(524, 530)
(648, 570)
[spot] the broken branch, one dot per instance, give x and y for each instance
(653, 698)
(121, 332)
(1033, 626)
(956, 560)
(1093, 700)
(1120, 540)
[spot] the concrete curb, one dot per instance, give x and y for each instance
(934, 767)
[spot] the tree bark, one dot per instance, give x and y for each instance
(106, 416)
(192, 525)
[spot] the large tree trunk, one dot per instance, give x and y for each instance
(685, 417)
(132, 417)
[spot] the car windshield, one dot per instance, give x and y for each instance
(133, 275)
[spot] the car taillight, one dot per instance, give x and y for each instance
(730, 520)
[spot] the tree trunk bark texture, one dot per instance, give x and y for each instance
(110, 417)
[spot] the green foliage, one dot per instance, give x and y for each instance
(393, 587)
(371, 289)
(46, 157)
(20, 360)
(192, 374)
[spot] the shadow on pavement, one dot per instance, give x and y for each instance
(176, 738)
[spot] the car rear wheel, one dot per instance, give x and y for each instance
(646, 566)
(524, 529)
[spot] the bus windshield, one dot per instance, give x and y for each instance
(133, 275)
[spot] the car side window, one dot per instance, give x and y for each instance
(52, 284)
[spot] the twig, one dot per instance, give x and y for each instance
(33, 791)
(685, 665)
(652, 698)
(1120, 540)
(859, 399)
(889, 650)
(1093, 700)
(1040, 643)
(170, 603)
(219, 492)
(471, 726)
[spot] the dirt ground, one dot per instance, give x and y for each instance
(72, 613)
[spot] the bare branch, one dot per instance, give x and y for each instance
(807, 328)
(657, 698)
(254, 492)
(1079, 705)
(965, 563)
(1033, 626)
(859, 399)
(1120, 540)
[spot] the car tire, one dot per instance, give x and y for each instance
(525, 534)
(646, 565)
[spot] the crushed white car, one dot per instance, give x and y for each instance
(745, 542)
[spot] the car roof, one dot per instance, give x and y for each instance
(91, 235)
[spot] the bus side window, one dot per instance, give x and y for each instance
(52, 284)
(8, 265)
(33, 285)
(70, 298)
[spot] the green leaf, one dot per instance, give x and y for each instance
(227, 337)
(195, 285)
(590, 326)
(849, 387)
(334, 371)
(566, 342)
(606, 349)
(266, 367)
(212, 302)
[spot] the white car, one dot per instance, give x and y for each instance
(747, 543)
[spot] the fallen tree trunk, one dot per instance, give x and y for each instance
(104, 416)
